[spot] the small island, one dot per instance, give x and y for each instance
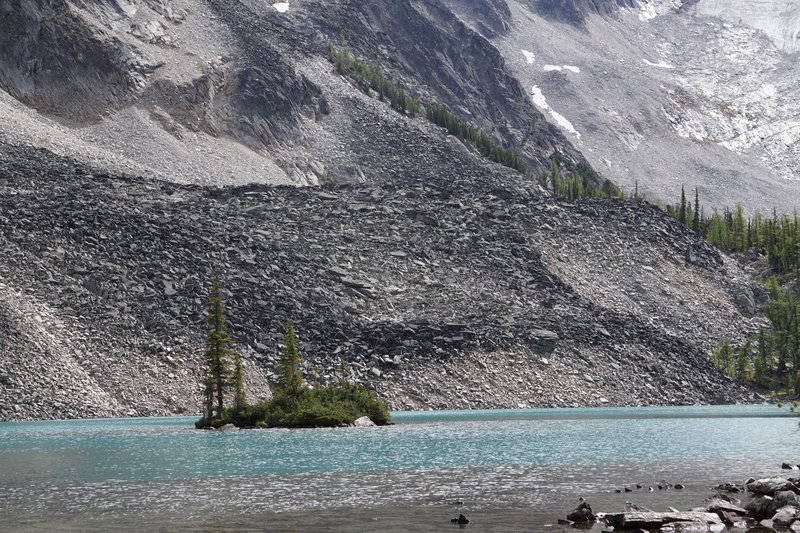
(293, 404)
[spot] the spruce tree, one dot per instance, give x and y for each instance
(760, 363)
(722, 356)
(696, 217)
(743, 361)
(682, 211)
(237, 384)
(218, 350)
(290, 380)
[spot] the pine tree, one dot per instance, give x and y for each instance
(761, 361)
(743, 361)
(290, 380)
(237, 384)
(739, 230)
(682, 211)
(696, 217)
(722, 355)
(218, 350)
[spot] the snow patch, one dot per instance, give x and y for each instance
(650, 9)
(529, 56)
(282, 7)
(541, 102)
(660, 64)
(557, 68)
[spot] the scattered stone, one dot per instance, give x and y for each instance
(582, 514)
(461, 520)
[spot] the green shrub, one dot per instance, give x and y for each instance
(326, 407)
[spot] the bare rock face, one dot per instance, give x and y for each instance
(53, 60)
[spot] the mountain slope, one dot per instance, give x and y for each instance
(664, 93)
(239, 92)
(445, 295)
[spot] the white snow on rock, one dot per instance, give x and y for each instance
(541, 102)
(779, 19)
(282, 7)
(529, 56)
(557, 68)
(650, 9)
(660, 64)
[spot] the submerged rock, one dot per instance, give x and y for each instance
(461, 520)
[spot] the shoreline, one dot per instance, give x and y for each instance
(510, 411)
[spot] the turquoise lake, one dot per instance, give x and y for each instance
(516, 470)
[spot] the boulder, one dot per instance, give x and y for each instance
(770, 486)
(760, 507)
(363, 422)
(652, 520)
(461, 520)
(786, 515)
(784, 498)
(718, 505)
(582, 514)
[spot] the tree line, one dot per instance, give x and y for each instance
(578, 181)
(770, 359)
(565, 178)
(372, 83)
(776, 237)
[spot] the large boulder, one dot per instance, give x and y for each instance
(770, 486)
(760, 507)
(363, 422)
(785, 498)
(785, 516)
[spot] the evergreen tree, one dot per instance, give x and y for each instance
(722, 355)
(290, 379)
(237, 384)
(739, 230)
(696, 217)
(743, 361)
(218, 350)
(682, 210)
(761, 361)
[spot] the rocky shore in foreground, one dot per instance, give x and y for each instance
(759, 505)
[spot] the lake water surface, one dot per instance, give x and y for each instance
(516, 470)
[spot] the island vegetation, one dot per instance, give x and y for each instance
(293, 403)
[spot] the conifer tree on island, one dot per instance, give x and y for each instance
(217, 357)
(290, 380)
(293, 403)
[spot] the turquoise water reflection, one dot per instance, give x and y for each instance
(515, 470)
(166, 448)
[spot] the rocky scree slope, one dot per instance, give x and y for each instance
(438, 295)
(230, 92)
